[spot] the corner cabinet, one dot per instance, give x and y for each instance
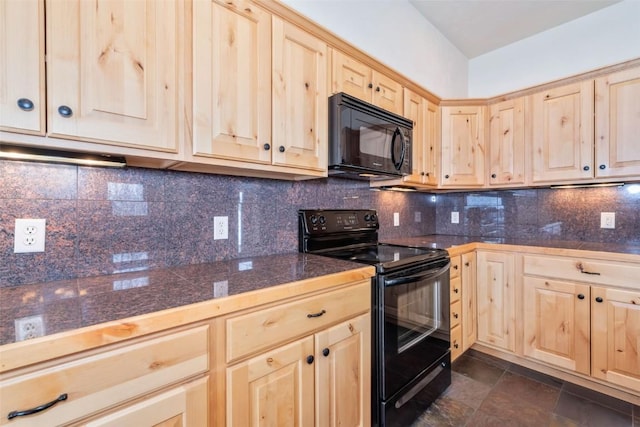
(357, 79)
(506, 145)
(462, 149)
(305, 362)
(259, 91)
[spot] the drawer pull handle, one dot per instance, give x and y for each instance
(583, 271)
(37, 409)
(25, 104)
(316, 314)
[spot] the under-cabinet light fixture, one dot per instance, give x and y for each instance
(602, 184)
(33, 154)
(395, 188)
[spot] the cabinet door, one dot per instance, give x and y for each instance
(462, 146)
(350, 76)
(300, 107)
(506, 143)
(182, 406)
(112, 71)
(562, 133)
(618, 124)
(343, 387)
(615, 336)
(468, 279)
(496, 299)
(275, 388)
(22, 65)
(556, 323)
(415, 110)
(387, 93)
(232, 81)
(431, 152)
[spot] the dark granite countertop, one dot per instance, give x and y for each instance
(71, 304)
(441, 241)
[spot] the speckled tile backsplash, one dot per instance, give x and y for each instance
(553, 214)
(102, 221)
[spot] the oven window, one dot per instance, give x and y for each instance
(414, 310)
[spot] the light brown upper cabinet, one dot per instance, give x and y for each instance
(363, 82)
(561, 122)
(462, 149)
(259, 91)
(112, 72)
(22, 66)
(506, 149)
(426, 136)
(618, 124)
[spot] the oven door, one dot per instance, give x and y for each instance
(413, 323)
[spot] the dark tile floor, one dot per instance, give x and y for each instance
(486, 391)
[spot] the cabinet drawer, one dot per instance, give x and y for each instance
(102, 380)
(456, 311)
(455, 286)
(268, 327)
(455, 267)
(456, 342)
(611, 273)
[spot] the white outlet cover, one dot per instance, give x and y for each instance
(29, 327)
(455, 217)
(220, 227)
(29, 235)
(396, 219)
(607, 220)
(417, 216)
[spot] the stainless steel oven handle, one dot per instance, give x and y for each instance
(415, 277)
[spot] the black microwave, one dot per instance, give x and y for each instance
(367, 142)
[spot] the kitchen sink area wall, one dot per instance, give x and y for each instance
(571, 214)
(103, 221)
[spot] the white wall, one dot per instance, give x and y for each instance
(606, 37)
(394, 32)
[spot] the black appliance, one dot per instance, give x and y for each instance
(411, 356)
(367, 142)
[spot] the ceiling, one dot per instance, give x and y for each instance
(480, 26)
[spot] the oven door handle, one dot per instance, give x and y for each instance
(435, 272)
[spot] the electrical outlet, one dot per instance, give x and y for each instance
(455, 217)
(29, 235)
(29, 327)
(607, 220)
(396, 219)
(220, 227)
(417, 216)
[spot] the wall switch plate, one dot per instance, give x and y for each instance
(455, 217)
(29, 235)
(396, 219)
(607, 220)
(220, 227)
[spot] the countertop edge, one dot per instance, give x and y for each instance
(25, 353)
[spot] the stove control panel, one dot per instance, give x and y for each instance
(327, 221)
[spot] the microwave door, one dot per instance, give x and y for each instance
(374, 141)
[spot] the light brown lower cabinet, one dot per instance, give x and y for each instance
(315, 368)
(462, 275)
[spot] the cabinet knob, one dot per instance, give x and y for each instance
(422, 173)
(25, 104)
(37, 409)
(455, 315)
(65, 111)
(580, 296)
(325, 352)
(281, 149)
(586, 168)
(455, 266)
(370, 85)
(310, 359)
(602, 167)
(493, 175)
(446, 176)
(267, 147)
(599, 299)
(455, 345)
(377, 88)
(455, 290)
(466, 264)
